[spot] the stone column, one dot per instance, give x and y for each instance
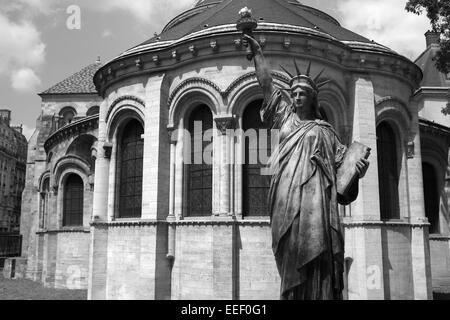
(179, 172)
(363, 237)
(99, 231)
(171, 217)
(420, 243)
(223, 140)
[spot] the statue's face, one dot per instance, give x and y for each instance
(302, 97)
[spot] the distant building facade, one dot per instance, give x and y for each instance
(13, 156)
(112, 205)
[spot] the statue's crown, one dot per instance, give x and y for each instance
(305, 79)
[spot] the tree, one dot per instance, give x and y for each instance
(438, 11)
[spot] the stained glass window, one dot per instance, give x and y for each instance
(199, 173)
(130, 156)
(255, 185)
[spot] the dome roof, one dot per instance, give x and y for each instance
(211, 16)
(213, 13)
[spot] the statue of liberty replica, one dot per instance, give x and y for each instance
(307, 235)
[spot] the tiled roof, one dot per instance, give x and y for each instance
(80, 82)
(223, 12)
(431, 76)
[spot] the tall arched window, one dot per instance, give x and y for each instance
(199, 173)
(44, 203)
(387, 172)
(255, 185)
(73, 201)
(130, 165)
(432, 196)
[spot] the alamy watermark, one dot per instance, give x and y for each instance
(198, 146)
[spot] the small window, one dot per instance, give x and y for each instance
(44, 203)
(67, 116)
(93, 111)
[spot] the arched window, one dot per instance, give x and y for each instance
(199, 173)
(44, 203)
(73, 201)
(130, 166)
(387, 172)
(93, 111)
(430, 186)
(255, 185)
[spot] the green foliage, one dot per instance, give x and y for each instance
(438, 11)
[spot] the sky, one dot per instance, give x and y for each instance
(41, 43)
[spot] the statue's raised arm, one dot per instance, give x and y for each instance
(262, 69)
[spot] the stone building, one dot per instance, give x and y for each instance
(432, 98)
(60, 179)
(13, 155)
(113, 205)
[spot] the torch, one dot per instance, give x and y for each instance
(247, 24)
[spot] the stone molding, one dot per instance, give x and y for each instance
(144, 223)
(357, 56)
(363, 224)
(64, 230)
(120, 100)
(76, 128)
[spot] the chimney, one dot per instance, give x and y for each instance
(432, 38)
(5, 116)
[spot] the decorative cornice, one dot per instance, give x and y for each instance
(212, 222)
(379, 224)
(65, 230)
(438, 237)
(76, 128)
(215, 42)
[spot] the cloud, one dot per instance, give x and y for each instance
(25, 80)
(386, 22)
(145, 11)
(106, 33)
(22, 52)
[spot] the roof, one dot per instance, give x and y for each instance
(431, 76)
(210, 13)
(78, 83)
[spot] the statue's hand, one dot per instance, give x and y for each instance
(254, 45)
(361, 167)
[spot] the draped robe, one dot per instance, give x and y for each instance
(307, 238)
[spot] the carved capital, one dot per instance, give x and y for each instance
(224, 124)
(171, 132)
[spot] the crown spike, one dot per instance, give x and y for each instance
(299, 73)
(320, 85)
(318, 76)
(284, 69)
(309, 69)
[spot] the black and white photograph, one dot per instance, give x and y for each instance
(224, 150)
